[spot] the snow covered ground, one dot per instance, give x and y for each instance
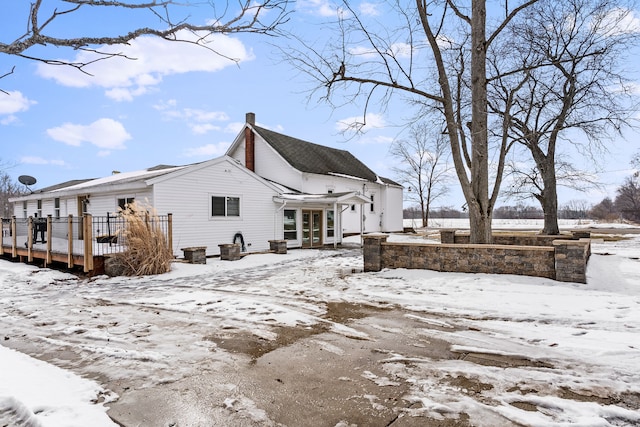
(540, 352)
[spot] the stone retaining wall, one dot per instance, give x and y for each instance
(455, 236)
(565, 260)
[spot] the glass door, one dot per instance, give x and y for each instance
(311, 229)
(316, 227)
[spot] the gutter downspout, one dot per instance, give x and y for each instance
(335, 219)
(275, 219)
(341, 229)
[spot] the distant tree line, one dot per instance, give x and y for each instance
(625, 206)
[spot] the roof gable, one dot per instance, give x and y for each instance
(313, 158)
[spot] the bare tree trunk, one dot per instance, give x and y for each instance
(424, 211)
(479, 209)
(549, 200)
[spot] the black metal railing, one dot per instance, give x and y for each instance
(85, 236)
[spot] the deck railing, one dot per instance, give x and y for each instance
(74, 240)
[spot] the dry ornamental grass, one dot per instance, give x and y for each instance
(147, 250)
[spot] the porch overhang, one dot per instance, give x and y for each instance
(350, 198)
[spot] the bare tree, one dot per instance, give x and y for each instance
(574, 209)
(628, 199)
(8, 189)
(605, 210)
(44, 18)
(570, 56)
(424, 169)
(523, 181)
(447, 74)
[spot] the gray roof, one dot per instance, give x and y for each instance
(63, 185)
(313, 158)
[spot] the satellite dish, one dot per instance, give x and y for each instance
(27, 180)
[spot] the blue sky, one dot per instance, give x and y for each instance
(177, 104)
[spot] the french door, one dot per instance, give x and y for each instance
(311, 229)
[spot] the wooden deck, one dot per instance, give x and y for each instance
(74, 242)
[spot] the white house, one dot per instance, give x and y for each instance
(269, 188)
(319, 182)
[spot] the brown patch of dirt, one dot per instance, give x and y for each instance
(342, 312)
(501, 361)
(470, 386)
(245, 342)
(627, 399)
(525, 406)
(254, 346)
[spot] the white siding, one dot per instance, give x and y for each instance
(392, 218)
(269, 164)
(100, 204)
(321, 184)
(188, 197)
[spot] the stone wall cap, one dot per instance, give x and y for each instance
(474, 246)
(581, 242)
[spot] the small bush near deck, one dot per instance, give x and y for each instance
(146, 248)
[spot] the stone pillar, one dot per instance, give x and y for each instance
(195, 254)
(278, 246)
(372, 250)
(229, 251)
(448, 236)
(571, 257)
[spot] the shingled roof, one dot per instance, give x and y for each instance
(63, 185)
(313, 158)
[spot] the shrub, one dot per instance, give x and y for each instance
(146, 248)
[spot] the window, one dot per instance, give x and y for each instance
(25, 214)
(122, 203)
(290, 225)
(330, 223)
(371, 206)
(40, 208)
(353, 208)
(225, 206)
(56, 207)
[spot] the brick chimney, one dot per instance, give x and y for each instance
(249, 143)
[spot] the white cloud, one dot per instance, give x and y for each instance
(199, 121)
(234, 127)
(445, 42)
(34, 160)
(13, 102)
(103, 133)
(209, 150)
(8, 120)
(319, 7)
(377, 140)
(201, 129)
(397, 50)
(356, 123)
(202, 116)
(619, 21)
(369, 9)
(124, 94)
(153, 58)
